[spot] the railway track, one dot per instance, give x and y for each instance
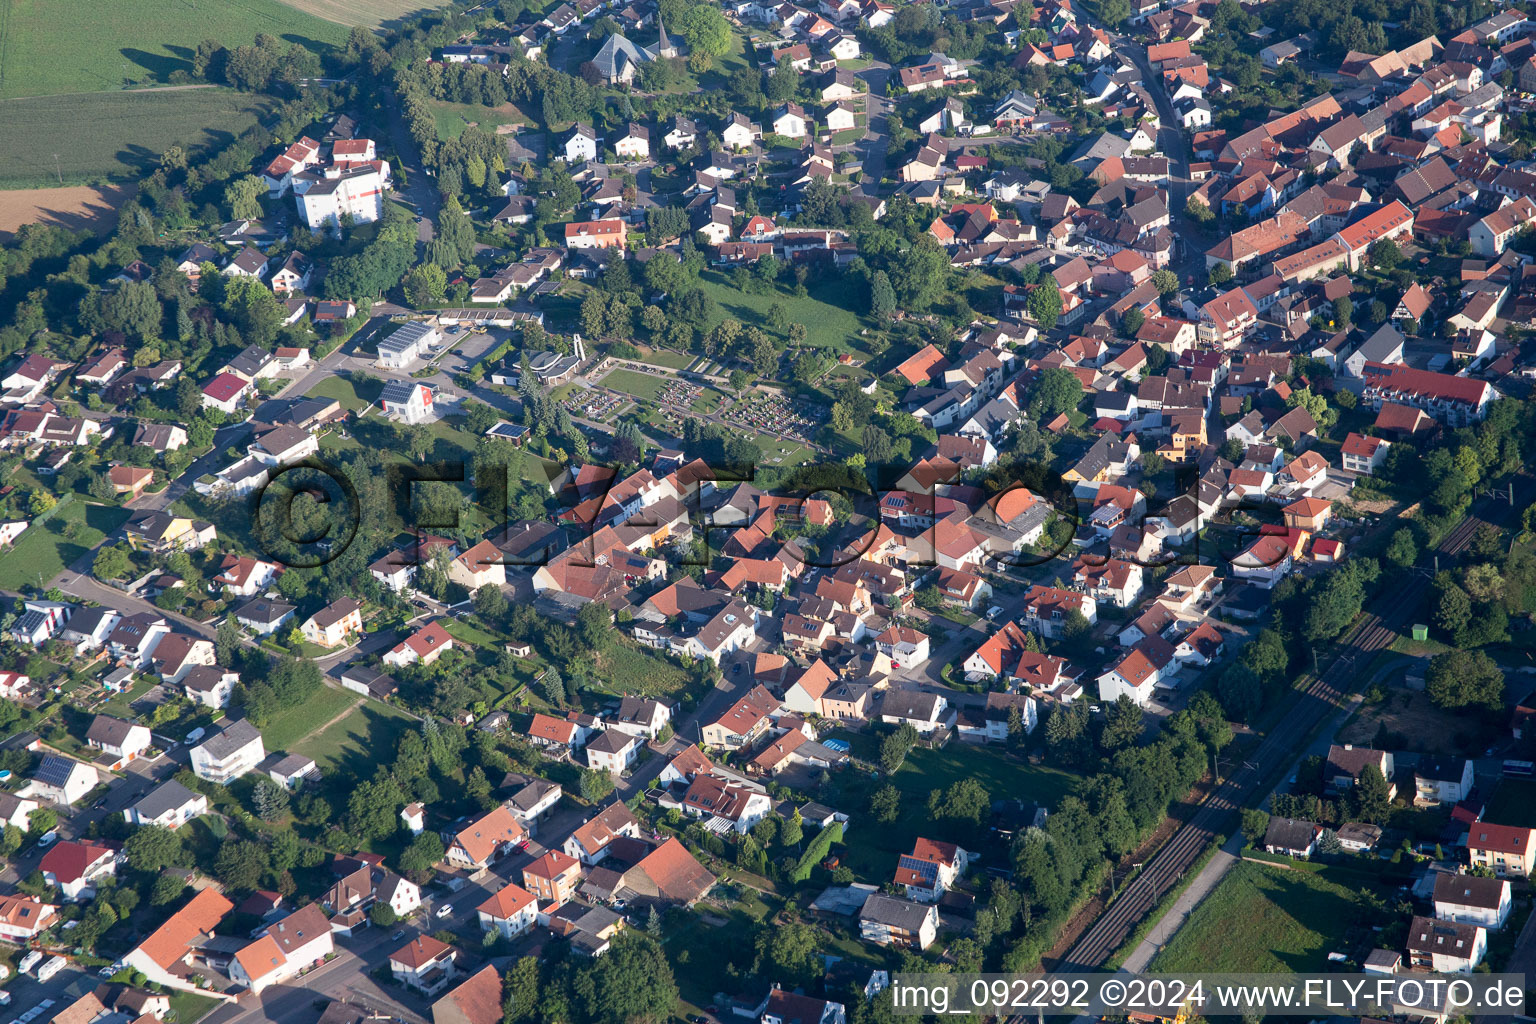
(1324, 694)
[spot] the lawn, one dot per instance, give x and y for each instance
(828, 323)
(1270, 920)
(189, 1006)
(1513, 803)
(112, 134)
(292, 724)
(453, 118)
(359, 742)
(873, 855)
(1001, 776)
(628, 668)
(632, 382)
(44, 550)
(345, 392)
(46, 51)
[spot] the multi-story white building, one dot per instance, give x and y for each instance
(229, 755)
(355, 192)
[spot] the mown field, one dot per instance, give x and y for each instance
(47, 548)
(368, 13)
(1267, 919)
(829, 323)
(45, 47)
(111, 134)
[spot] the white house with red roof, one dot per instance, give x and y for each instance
(245, 576)
(570, 732)
(510, 910)
(905, 646)
(74, 867)
(424, 646)
(1137, 674)
(1363, 454)
(225, 393)
(930, 870)
(25, 917)
(425, 963)
(300, 940)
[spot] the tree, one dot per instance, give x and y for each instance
(630, 984)
(885, 804)
(240, 864)
(706, 30)
(382, 914)
(1372, 796)
(269, 799)
(553, 687)
(1255, 824)
(1221, 274)
(167, 889)
(1122, 726)
(1057, 391)
(490, 603)
(1465, 679)
(895, 747)
(1402, 551)
(793, 830)
(882, 297)
(1131, 321)
(425, 284)
(595, 785)
(423, 852)
(1165, 281)
(243, 196)
(521, 985)
(111, 563)
(1453, 611)
(1044, 303)
(1385, 255)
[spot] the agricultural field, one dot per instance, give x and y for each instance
(76, 207)
(43, 51)
(828, 323)
(367, 13)
(1269, 919)
(111, 134)
(47, 548)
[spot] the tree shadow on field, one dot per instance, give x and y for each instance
(158, 64)
(313, 45)
(137, 157)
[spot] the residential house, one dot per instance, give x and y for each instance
(1506, 850)
(228, 754)
(169, 804)
(1445, 947)
(1291, 837)
(553, 878)
(1468, 899)
(487, 838)
(889, 921)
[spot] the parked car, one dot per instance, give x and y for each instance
(445, 910)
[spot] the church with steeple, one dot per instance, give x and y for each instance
(665, 50)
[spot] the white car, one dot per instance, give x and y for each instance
(445, 910)
(994, 611)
